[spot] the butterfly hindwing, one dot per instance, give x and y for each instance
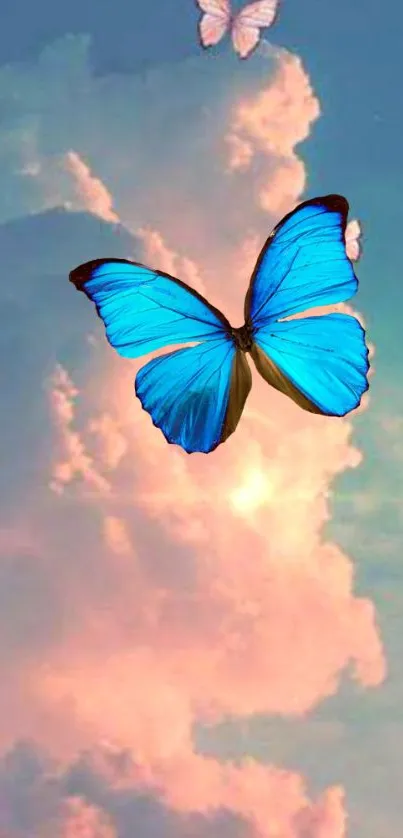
(196, 395)
(319, 362)
(244, 38)
(144, 310)
(214, 22)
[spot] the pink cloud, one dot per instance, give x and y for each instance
(265, 622)
(288, 618)
(114, 796)
(82, 820)
(112, 445)
(91, 192)
(240, 152)
(327, 820)
(279, 117)
(74, 460)
(116, 536)
(161, 257)
(284, 187)
(272, 123)
(273, 800)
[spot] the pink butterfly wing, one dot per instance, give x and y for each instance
(247, 25)
(214, 22)
(352, 238)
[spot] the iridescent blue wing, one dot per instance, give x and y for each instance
(303, 263)
(320, 362)
(194, 395)
(144, 310)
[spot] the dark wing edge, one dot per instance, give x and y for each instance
(80, 275)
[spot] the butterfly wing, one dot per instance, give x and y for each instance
(248, 23)
(214, 21)
(144, 310)
(353, 240)
(320, 362)
(196, 396)
(303, 263)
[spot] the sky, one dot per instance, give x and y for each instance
(205, 646)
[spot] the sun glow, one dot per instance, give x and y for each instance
(256, 490)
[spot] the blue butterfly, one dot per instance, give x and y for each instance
(196, 395)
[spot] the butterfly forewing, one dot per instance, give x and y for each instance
(248, 22)
(214, 21)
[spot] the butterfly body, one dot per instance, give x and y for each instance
(243, 337)
(196, 395)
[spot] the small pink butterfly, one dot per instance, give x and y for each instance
(353, 240)
(244, 26)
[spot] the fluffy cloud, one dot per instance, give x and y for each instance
(76, 460)
(104, 795)
(91, 192)
(272, 123)
(190, 589)
(162, 141)
(44, 323)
